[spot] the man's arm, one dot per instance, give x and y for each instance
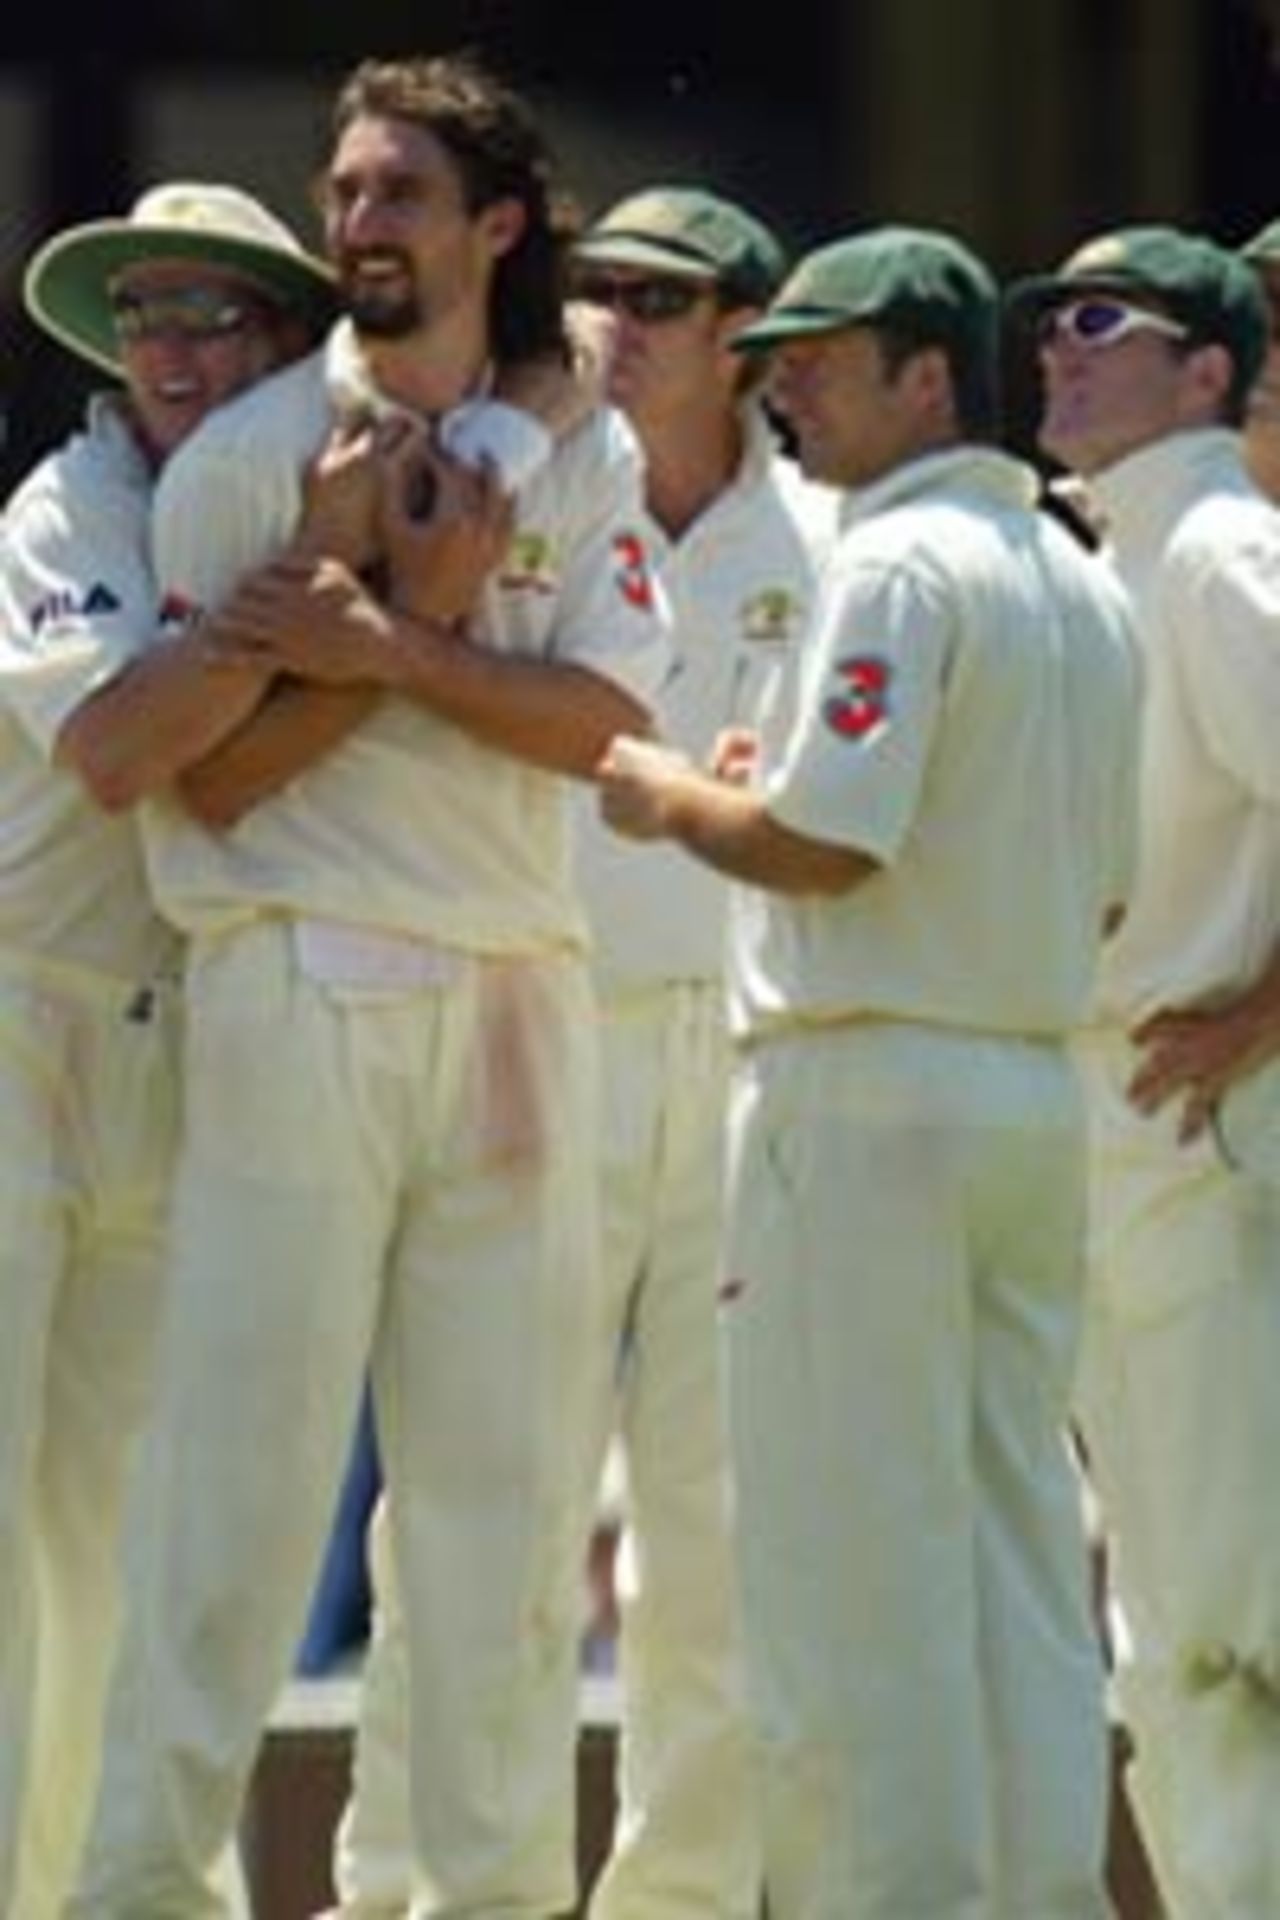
(168, 707)
(295, 726)
(314, 618)
(649, 792)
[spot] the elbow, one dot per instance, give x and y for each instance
(114, 781)
(113, 786)
(833, 881)
(112, 791)
(214, 809)
(829, 872)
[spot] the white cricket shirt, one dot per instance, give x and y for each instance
(740, 585)
(77, 602)
(410, 826)
(966, 713)
(1198, 547)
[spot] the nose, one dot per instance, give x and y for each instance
(165, 344)
(783, 379)
(360, 220)
(1057, 354)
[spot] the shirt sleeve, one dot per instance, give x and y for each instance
(77, 601)
(1226, 624)
(868, 708)
(217, 515)
(611, 613)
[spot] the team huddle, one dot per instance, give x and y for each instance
(584, 849)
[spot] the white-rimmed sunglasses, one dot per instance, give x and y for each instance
(1102, 323)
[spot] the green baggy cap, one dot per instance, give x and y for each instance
(921, 279)
(1207, 287)
(689, 234)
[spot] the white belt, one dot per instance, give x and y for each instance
(338, 954)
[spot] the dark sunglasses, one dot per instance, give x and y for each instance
(1103, 323)
(644, 300)
(194, 313)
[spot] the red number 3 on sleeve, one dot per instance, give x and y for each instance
(861, 704)
(634, 582)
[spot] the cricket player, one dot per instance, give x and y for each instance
(663, 280)
(1261, 252)
(190, 298)
(389, 1108)
(939, 826)
(672, 274)
(1151, 340)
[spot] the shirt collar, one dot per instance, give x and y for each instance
(968, 467)
(1143, 495)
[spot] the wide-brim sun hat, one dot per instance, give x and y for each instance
(67, 284)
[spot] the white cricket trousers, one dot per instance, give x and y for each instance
(1179, 1401)
(86, 1132)
(906, 1238)
(399, 1177)
(686, 1840)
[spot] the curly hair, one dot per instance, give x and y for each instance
(490, 135)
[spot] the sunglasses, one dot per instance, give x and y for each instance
(1103, 323)
(193, 313)
(646, 300)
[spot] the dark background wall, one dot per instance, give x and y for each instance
(1020, 124)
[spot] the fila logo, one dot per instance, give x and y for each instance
(861, 706)
(68, 604)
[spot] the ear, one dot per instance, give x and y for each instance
(742, 370)
(731, 320)
(502, 222)
(926, 377)
(923, 384)
(1208, 372)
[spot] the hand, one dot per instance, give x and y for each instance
(444, 529)
(1196, 1055)
(307, 617)
(735, 756)
(561, 396)
(340, 496)
(638, 780)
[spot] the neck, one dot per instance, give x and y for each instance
(1262, 455)
(152, 453)
(434, 369)
(688, 463)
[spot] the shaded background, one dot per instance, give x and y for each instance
(1021, 125)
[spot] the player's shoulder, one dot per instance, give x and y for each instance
(43, 484)
(813, 506)
(270, 428)
(98, 469)
(597, 464)
(603, 438)
(274, 414)
(1224, 521)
